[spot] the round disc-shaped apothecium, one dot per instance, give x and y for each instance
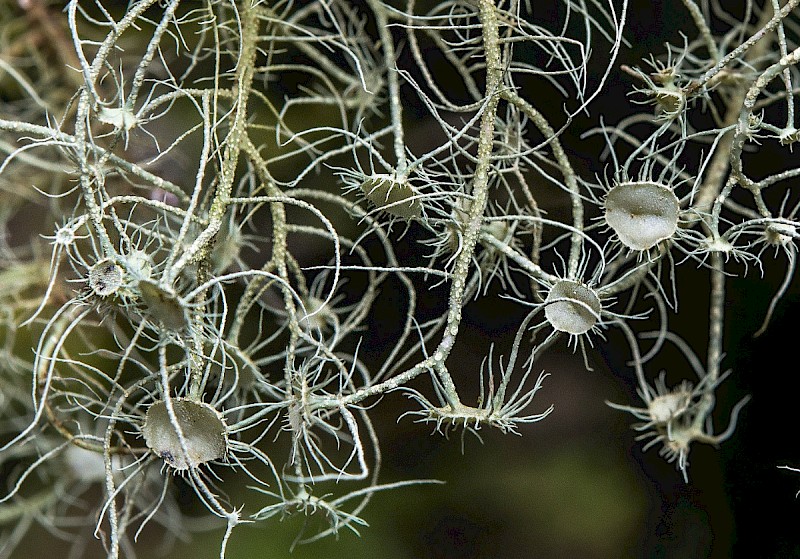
(203, 428)
(105, 278)
(666, 407)
(572, 307)
(642, 214)
(779, 234)
(163, 305)
(671, 101)
(395, 197)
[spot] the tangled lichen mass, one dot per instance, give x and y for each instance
(226, 193)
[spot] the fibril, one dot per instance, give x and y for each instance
(642, 214)
(204, 433)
